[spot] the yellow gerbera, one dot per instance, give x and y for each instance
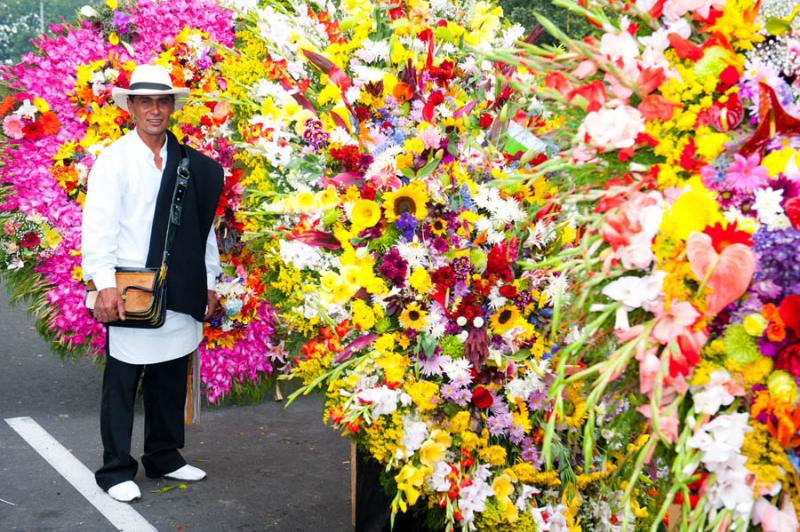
(409, 198)
(365, 213)
(504, 319)
(413, 317)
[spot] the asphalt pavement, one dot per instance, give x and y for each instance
(269, 468)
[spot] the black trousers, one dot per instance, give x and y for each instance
(164, 387)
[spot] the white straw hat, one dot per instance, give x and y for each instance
(149, 80)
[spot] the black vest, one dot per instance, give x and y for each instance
(186, 277)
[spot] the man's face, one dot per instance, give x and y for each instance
(152, 113)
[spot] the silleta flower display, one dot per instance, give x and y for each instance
(545, 287)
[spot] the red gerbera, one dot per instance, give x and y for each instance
(49, 122)
(790, 312)
(722, 237)
(33, 131)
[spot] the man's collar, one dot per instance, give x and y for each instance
(145, 149)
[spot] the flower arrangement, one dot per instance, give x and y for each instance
(540, 308)
(59, 117)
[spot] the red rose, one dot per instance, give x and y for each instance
(792, 209)
(790, 312)
(30, 240)
(508, 291)
(486, 120)
(481, 397)
(788, 359)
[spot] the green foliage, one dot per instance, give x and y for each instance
(19, 22)
(521, 12)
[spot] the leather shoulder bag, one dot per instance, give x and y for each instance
(144, 290)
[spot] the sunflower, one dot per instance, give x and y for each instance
(365, 213)
(409, 198)
(413, 317)
(505, 318)
(439, 226)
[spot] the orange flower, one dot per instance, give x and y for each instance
(6, 105)
(402, 92)
(770, 312)
(782, 421)
(50, 123)
(776, 332)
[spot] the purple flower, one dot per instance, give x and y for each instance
(776, 259)
(530, 453)
(406, 224)
(394, 267)
(516, 434)
(499, 425)
(536, 400)
(120, 21)
(460, 395)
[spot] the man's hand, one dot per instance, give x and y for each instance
(109, 306)
(211, 306)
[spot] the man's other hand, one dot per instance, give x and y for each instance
(109, 306)
(211, 306)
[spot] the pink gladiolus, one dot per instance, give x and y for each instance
(674, 321)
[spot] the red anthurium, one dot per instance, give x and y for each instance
(773, 120)
(789, 310)
(792, 209)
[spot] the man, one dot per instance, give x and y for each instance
(124, 224)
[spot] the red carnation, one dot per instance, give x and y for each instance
(30, 240)
(790, 312)
(481, 397)
(444, 277)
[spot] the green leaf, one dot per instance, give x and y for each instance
(428, 169)
(777, 26)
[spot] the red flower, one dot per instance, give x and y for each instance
(497, 260)
(49, 122)
(481, 397)
(33, 131)
(434, 99)
(790, 312)
(656, 107)
(508, 291)
(724, 237)
(789, 359)
(444, 277)
(485, 120)
(30, 240)
(594, 93)
(729, 76)
(6, 105)
(792, 209)
(684, 48)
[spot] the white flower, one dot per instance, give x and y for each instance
(720, 440)
(522, 388)
(372, 51)
(300, 255)
(615, 128)
(366, 74)
(438, 480)
(768, 204)
(88, 11)
(511, 35)
(413, 253)
(383, 400)
(716, 392)
(414, 433)
(635, 292)
(458, 369)
(473, 497)
(27, 109)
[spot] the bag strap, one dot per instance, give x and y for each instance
(176, 207)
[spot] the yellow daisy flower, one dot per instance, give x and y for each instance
(413, 317)
(409, 198)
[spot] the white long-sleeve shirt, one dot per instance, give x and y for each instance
(117, 220)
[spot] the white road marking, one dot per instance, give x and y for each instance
(121, 515)
(7, 502)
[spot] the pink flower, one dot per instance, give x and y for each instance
(612, 129)
(674, 321)
(12, 127)
(746, 175)
(773, 520)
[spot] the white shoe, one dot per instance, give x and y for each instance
(126, 491)
(187, 473)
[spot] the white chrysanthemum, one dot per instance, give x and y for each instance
(365, 73)
(372, 51)
(415, 254)
(456, 370)
(522, 388)
(768, 205)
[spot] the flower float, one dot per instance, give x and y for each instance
(57, 118)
